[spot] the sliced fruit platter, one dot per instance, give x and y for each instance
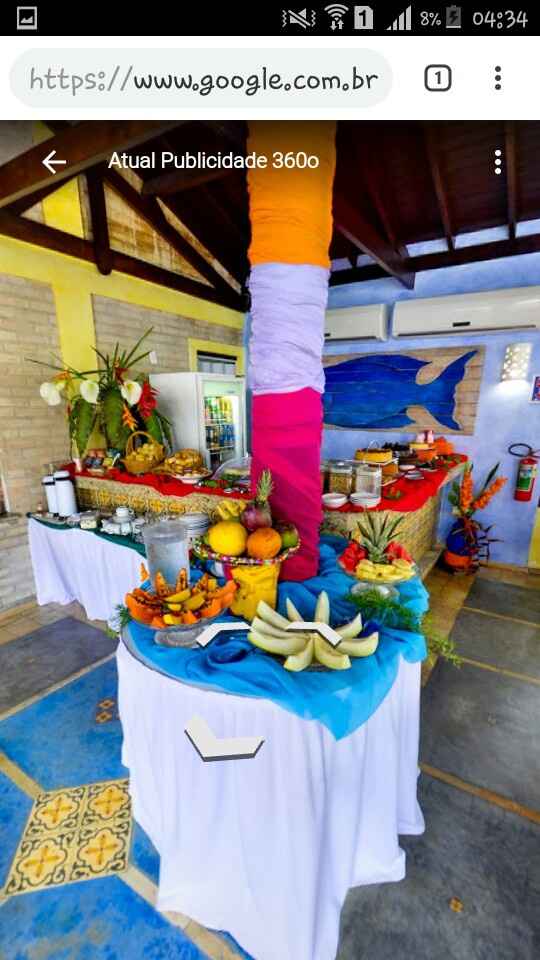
(167, 606)
(374, 556)
(244, 532)
(302, 650)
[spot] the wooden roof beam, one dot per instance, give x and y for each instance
(149, 209)
(81, 146)
(438, 183)
(447, 258)
(511, 177)
(40, 235)
(98, 214)
(365, 238)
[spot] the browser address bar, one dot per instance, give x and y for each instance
(283, 78)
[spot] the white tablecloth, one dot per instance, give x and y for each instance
(267, 848)
(76, 565)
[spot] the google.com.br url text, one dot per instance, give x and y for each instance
(126, 79)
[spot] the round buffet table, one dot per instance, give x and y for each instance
(267, 848)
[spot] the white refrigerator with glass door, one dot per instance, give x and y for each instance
(207, 412)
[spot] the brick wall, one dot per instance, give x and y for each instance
(124, 322)
(31, 433)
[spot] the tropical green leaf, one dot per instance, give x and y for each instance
(112, 407)
(129, 358)
(152, 425)
(83, 423)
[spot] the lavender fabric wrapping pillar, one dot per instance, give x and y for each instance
(285, 356)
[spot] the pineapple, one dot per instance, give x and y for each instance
(257, 513)
(377, 532)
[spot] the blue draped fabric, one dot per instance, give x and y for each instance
(342, 699)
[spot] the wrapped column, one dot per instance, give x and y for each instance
(291, 226)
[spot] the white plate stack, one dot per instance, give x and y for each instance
(197, 524)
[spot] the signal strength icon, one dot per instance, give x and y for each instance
(403, 22)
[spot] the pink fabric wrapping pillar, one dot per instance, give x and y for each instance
(291, 217)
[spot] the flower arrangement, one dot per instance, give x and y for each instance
(468, 541)
(107, 398)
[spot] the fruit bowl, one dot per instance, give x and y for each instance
(202, 550)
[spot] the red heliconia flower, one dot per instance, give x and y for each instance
(147, 402)
(119, 373)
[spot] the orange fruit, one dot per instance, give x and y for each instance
(263, 544)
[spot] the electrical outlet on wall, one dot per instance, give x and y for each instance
(152, 356)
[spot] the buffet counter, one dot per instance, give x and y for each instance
(417, 502)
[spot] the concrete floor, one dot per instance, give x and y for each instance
(472, 890)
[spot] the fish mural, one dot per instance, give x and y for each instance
(374, 391)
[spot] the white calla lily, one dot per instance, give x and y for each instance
(131, 391)
(89, 391)
(50, 393)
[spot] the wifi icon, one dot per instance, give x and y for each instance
(336, 12)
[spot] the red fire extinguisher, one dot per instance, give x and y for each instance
(527, 470)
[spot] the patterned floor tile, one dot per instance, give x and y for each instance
(71, 835)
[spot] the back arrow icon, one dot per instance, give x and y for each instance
(49, 161)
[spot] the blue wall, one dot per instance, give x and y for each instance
(504, 414)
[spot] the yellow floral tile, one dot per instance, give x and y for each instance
(71, 835)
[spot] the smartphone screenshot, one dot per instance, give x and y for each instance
(269, 514)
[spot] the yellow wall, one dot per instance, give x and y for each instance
(75, 281)
(534, 549)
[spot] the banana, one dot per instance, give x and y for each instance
(329, 657)
(299, 661)
(359, 648)
(285, 647)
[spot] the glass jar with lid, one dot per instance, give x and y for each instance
(340, 477)
(367, 481)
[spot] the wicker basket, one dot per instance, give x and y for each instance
(136, 466)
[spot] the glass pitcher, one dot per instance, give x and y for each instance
(167, 549)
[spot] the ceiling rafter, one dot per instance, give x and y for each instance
(98, 215)
(438, 183)
(149, 209)
(29, 231)
(447, 258)
(381, 195)
(511, 177)
(366, 238)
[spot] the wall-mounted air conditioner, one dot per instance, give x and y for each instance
(357, 323)
(498, 310)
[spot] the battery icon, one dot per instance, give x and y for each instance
(453, 18)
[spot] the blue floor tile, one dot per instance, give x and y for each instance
(96, 920)
(14, 809)
(58, 741)
(143, 853)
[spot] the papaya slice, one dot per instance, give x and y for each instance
(158, 623)
(189, 618)
(139, 611)
(211, 609)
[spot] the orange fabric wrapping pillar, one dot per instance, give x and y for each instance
(291, 222)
